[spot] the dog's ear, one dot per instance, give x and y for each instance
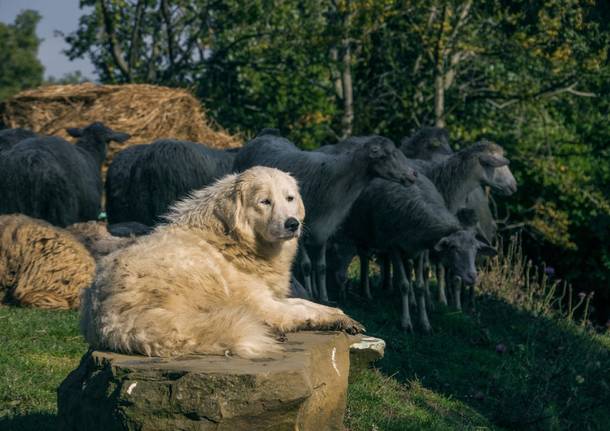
(226, 208)
(229, 209)
(301, 206)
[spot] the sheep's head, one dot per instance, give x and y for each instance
(489, 167)
(428, 143)
(458, 251)
(387, 161)
(99, 132)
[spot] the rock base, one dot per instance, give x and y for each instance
(303, 389)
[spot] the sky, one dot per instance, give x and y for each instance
(59, 15)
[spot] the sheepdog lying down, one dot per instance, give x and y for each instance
(213, 280)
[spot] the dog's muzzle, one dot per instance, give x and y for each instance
(292, 224)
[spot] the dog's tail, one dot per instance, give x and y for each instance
(159, 332)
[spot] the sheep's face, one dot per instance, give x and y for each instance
(99, 132)
(388, 162)
(272, 204)
(430, 143)
(493, 171)
(458, 252)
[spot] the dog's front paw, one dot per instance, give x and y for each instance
(349, 325)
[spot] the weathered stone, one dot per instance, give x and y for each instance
(365, 350)
(302, 389)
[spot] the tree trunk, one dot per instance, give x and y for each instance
(347, 121)
(439, 100)
(335, 73)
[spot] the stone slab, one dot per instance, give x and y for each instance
(302, 389)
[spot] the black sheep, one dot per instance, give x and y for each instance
(51, 179)
(10, 137)
(144, 180)
(405, 221)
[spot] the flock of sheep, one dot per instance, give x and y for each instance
(411, 205)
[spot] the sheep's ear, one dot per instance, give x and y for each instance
(441, 245)
(480, 235)
(268, 131)
(494, 161)
(486, 250)
(375, 151)
(434, 143)
(467, 217)
(75, 132)
(119, 136)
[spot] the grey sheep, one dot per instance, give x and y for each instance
(404, 222)
(330, 183)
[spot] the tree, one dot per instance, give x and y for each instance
(19, 65)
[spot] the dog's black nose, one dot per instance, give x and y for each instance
(292, 224)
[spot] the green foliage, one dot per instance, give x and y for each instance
(68, 78)
(19, 65)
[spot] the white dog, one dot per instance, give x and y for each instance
(213, 280)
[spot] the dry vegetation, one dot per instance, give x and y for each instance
(146, 112)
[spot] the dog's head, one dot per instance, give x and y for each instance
(264, 203)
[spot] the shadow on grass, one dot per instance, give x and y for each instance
(517, 370)
(29, 422)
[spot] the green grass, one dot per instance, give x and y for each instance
(38, 349)
(552, 376)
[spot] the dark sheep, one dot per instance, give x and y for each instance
(10, 137)
(128, 229)
(144, 180)
(461, 180)
(50, 179)
(428, 143)
(481, 164)
(330, 183)
(405, 221)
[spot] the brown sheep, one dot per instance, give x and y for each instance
(41, 265)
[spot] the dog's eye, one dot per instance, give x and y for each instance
(266, 202)
(290, 198)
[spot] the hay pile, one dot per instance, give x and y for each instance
(146, 112)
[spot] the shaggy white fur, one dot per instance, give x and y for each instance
(213, 279)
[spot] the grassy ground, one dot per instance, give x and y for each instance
(551, 375)
(37, 350)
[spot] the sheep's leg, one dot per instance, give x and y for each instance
(408, 265)
(426, 278)
(365, 285)
(471, 299)
(457, 292)
(400, 280)
(305, 267)
(440, 280)
(320, 273)
(421, 294)
(386, 272)
(341, 279)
